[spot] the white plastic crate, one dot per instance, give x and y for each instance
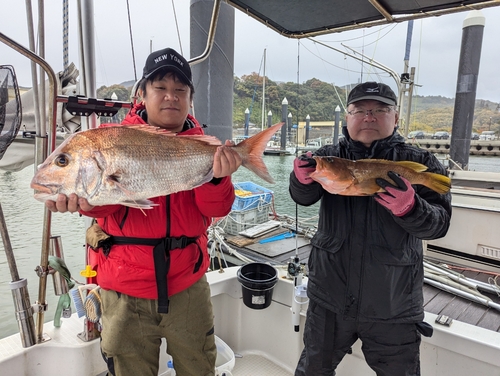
(240, 220)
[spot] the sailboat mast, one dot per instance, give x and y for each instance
(407, 79)
(264, 92)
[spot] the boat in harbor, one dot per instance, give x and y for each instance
(267, 341)
(274, 148)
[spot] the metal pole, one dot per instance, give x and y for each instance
(410, 97)
(289, 127)
(88, 59)
(247, 121)
(308, 121)
(19, 288)
(453, 290)
(40, 128)
(11, 260)
(269, 119)
(213, 68)
(468, 71)
(264, 92)
(284, 112)
(40, 156)
(404, 80)
(336, 126)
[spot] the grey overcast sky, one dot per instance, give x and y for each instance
(435, 46)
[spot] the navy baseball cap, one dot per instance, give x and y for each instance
(374, 91)
(168, 59)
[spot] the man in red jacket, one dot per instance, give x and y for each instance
(152, 276)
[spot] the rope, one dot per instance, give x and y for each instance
(65, 35)
(177, 27)
(131, 40)
(215, 234)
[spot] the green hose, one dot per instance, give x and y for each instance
(59, 265)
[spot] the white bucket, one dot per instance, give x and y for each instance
(224, 363)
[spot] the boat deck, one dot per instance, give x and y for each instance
(443, 303)
(251, 365)
(436, 300)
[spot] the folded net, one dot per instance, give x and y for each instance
(10, 107)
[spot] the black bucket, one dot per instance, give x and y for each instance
(257, 284)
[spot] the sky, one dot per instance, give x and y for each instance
(435, 46)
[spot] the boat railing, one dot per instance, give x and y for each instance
(42, 144)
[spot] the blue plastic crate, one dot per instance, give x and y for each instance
(256, 197)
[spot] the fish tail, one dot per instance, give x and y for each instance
(252, 149)
(437, 182)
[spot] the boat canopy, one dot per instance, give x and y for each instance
(301, 19)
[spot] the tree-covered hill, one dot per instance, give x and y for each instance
(319, 99)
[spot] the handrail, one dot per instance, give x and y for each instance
(211, 35)
(40, 155)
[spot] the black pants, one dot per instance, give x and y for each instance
(389, 349)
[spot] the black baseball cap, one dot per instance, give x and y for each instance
(169, 59)
(372, 90)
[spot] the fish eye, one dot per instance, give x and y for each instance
(61, 160)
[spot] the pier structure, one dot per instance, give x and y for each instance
(487, 148)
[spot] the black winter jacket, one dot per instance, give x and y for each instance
(367, 264)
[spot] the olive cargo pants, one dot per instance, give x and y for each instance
(133, 329)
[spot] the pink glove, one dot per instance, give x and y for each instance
(398, 199)
(302, 167)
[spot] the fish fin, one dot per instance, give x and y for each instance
(149, 128)
(366, 188)
(205, 138)
(329, 185)
(415, 166)
(139, 204)
(437, 182)
(252, 149)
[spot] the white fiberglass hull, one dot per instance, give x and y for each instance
(263, 337)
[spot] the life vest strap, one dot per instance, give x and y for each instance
(161, 258)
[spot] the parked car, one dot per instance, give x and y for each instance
(488, 136)
(474, 136)
(441, 135)
(416, 135)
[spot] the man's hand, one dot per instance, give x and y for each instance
(71, 203)
(302, 167)
(398, 199)
(226, 160)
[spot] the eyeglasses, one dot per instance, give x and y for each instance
(376, 112)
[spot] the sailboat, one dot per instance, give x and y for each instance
(274, 146)
(252, 341)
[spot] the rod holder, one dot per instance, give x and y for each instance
(24, 311)
(90, 332)
(56, 250)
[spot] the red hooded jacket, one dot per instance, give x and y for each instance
(129, 269)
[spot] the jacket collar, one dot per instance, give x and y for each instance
(376, 148)
(138, 115)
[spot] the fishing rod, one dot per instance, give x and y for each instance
(295, 269)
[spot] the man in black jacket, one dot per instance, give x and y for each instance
(366, 264)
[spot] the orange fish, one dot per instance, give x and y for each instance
(129, 164)
(358, 178)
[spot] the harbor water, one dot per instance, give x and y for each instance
(24, 215)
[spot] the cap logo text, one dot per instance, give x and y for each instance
(172, 57)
